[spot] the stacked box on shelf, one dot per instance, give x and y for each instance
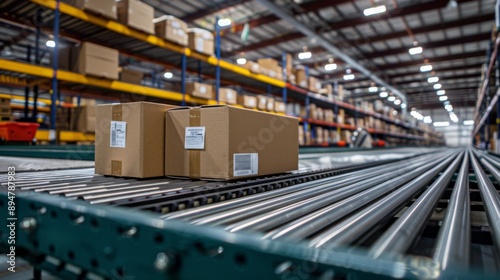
(83, 119)
(171, 29)
(136, 14)
(289, 65)
(201, 40)
(261, 102)
(271, 68)
(247, 101)
(228, 96)
(200, 90)
(63, 118)
(341, 116)
(329, 116)
(131, 76)
(301, 135)
(314, 84)
(319, 135)
(270, 104)
(279, 106)
(5, 111)
(104, 8)
(254, 67)
(300, 77)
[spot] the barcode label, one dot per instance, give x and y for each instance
(195, 138)
(118, 134)
(245, 164)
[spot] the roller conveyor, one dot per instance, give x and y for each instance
(423, 209)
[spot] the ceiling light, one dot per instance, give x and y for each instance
(447, 103)
(420, 117)
(383, 94)
(441, 124)
(448, 108)
(440, 92)
(397, 102)
(168, 75)
(375, 10)
(415, 50)
(223, 22)
(50, 43)
(348, 77)
(425, 68)
(403, 105)
(372, 89)
(443, 98)
(433, 80)
(391, 98)
(453, 117)
(394, 112)
(330, 66)
(468, 122)
(427, 119)
(305, 55)
(437, 86)
(452, 4)
(241, 60)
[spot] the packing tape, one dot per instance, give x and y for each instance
(194, 155)
(116, 115)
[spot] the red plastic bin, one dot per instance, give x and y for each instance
(18, 131)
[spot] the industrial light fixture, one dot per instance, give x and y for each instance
(403, 105)
(448, 108)
(453, 117)
(50, 43)
(415, 50)
(168, 75)
(427, 119)
(433, 80)
(391, 98)
(223, 22)
(426, 68)
(330, 66)
(372, 89)
(348, 75)
(440, 92)
(241, 61)
(394, 112)
(437, 86)
(443, 98)
(305, 54)
(446, 103)
(468, 122)
(383, 94)
(375, 10)
(397, 102)
(452, 4)
(441, 123)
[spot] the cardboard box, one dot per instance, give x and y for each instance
(270, 66)
(314, 84)
(131, 76)
(301, 77)
(270, 104)
(4, 101)
(200, 90)
(279, 107)
(289, 65)
(301, 135)
(201, 40)
(252, 66)
(130, 139)
(261, 102)
(83, 119)
(104, 8)
(136, 14)
(98, 61)
(171, 29)
(247, 101)
(228, 95)
(229, 143)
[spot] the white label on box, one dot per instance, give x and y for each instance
(245, 164)
(180, 32)
(229, 95)
(199, 44)
(272, 73)
(263, 101)
(303, 83)
(251, 103)
(203, 90)
(118, 134)
(175, 24)
(195, 138)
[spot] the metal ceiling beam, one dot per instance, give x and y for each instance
(216, 7)
(327, 45)
(438, 70)
(434, 60)
(403, 11)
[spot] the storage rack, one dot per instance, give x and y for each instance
(72, 23)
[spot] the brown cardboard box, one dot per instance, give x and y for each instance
(289, 64)
(200, 90)
(301, 135)
(300, 77)
(131, 76)
(98, 61)
(314, 84)
(4, 101)
(279, 107)
(270, 66)
(171, 29)
(228, 95)
(201, 40)
(83, 119)
(130, 139)
(270, 104)
(252, 66)
(136, 14)
(261, 102)
(229, 143)
(247, 101)
(105, 8)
